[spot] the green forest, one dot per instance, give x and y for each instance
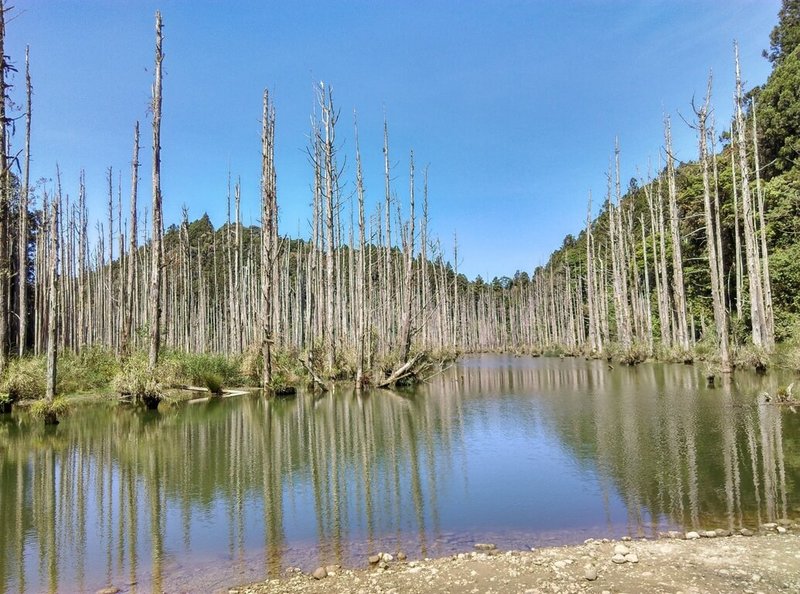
(697, 262)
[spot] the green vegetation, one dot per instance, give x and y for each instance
(50, 411)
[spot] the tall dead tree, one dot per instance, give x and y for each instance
(757, 313)
(331, 195)
(679, 292)
(269, 237)
(5, 198)
(769, 315)
(154, 313)
(594, 338)
(127, 324)
(52, 312)
(712, 221)
(22, 246)
(408, 289)
(361, 287)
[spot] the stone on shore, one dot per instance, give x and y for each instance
(320, 573)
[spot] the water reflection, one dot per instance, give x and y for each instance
(520, 451)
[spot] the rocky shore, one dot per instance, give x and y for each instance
(745, 561)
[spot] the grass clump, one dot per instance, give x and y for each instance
(192, 368)
(49, 411)
(136, 380)
(752, 356)
(5, 402)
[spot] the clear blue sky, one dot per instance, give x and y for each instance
(515, 105)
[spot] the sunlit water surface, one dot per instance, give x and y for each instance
(517, 451)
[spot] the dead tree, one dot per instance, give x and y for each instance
(5, 198)
(154, 314)
(269, 237)
(22, 245)
(127, 325)
(679, 292)
(717, 285)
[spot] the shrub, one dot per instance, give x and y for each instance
(213, 382)
(25, 379)
(92, 369)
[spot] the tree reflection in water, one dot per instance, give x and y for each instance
(522, 451)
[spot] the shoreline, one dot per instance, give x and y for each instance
(696, 561)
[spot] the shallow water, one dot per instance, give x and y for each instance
(516, 451)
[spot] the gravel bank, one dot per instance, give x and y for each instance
(695, 562)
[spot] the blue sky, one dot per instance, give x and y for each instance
(514, 105)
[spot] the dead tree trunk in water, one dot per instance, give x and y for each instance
(5, 198)
(717, 286)
(331, 191)
(155, 242)
(758, 319)
(22, 246)
(361, 289)
(682, 331)
(405, 328)
(127, 325)
(52, 312)
(269, 237)
(769, 315)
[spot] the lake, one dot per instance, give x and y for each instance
(521, 452)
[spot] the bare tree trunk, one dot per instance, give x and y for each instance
(331, 190)
(682, 333)
(269, 234)
(405, 327)
(717, 286)
(594, 342)
(5, 198)
(155, 242)
(22, 246)
(361, 289)
(758, 319)
(127, 325)
(769, 315)
(52, 315)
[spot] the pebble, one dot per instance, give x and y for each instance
(621, 549)
(626, 538)
(560, 564)
(619, 559)
(590, 573)
(386, 557)
(781, 530)
(108, 590)
(319, 573)
(746, 532)
(373, 559)
(692, 535)
(708, 534)
(401, 556)
(769, 526)
(632, 558)
(722, 532)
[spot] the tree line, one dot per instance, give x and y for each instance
(683, 259)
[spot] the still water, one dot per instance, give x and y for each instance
(517, 451)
